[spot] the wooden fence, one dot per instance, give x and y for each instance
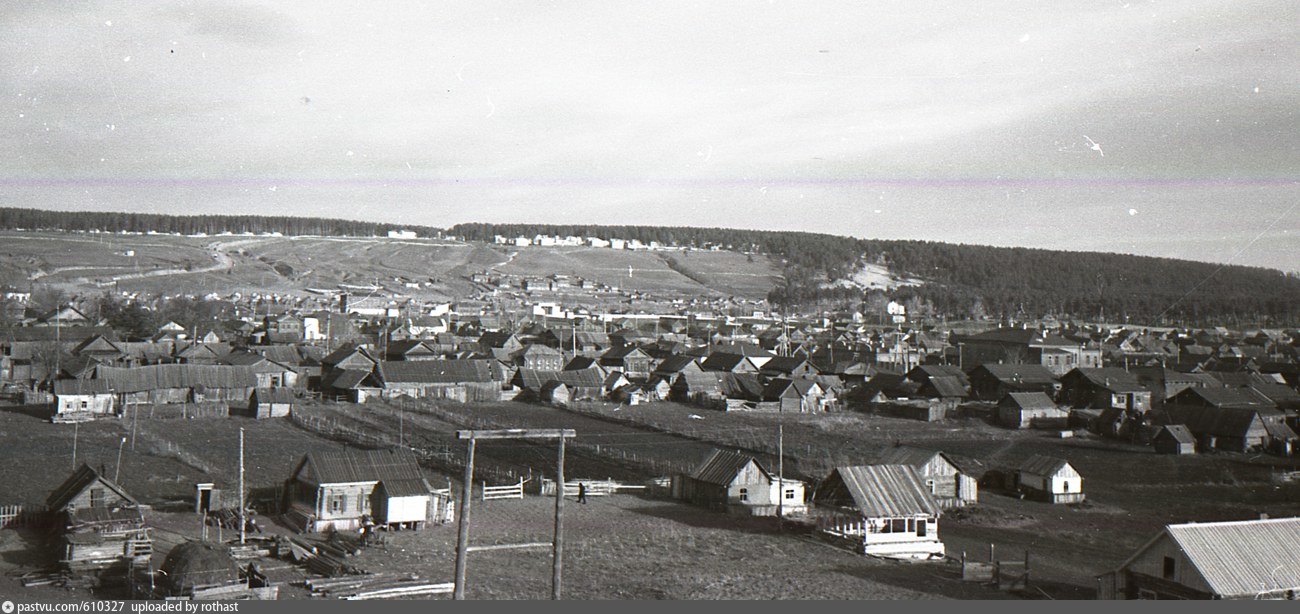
(513, 491)
(13, 516)
(595, 488)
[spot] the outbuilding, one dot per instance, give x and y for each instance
(1051, 479)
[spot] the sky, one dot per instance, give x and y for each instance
(1165, 128)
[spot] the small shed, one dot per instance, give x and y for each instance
(403, 503)
(1051, 479)
(271, 403)
(1174, 439)
(1020, 410)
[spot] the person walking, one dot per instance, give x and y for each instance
(582, 493)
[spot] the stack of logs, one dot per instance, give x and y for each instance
(375, 586)
(326, 558)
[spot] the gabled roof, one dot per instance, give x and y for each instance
(674, 364)
(1039, 464)
(1112, 379)
(1243, 558)
(80, 479)
(1178, 432)
(161, 377)
(1222, 397)
(1018, 374)
(1220, 422)
(946, 386)
(348, 466)
(581, 378)
(1029, 400)
(912, 457)
(434, 371)
(883, 490)
(722, 466)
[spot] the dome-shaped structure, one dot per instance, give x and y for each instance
(198, 564)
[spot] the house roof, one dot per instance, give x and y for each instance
(1039, 464)
(946, 386)
(674, 364)
(1019, 374)
(722, 466)
(886, 490)
(1179, 432)
(406, 487)
(434, 371)
(1244, 558)
(1220, 422)
(910, 456)
(77, 482)
(1030, 400)
(70, 387)
(1223, 397)
(161, 377)
(581, 378)
(1113, 379)
(274, 395)
(347, 466)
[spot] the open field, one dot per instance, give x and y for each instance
(166, 264)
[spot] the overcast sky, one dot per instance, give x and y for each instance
(1164, 128)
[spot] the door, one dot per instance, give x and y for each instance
(920, 527)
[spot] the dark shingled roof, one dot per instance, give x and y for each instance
(434, 371)
(347, 466)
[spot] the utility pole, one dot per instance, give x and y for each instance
(75, 427)
(557, 547)
(242, 521)
(780, 476)
(117, 473)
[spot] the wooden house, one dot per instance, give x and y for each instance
(634, 362)
(100, 525)
(797, 396)
(738, 484)
(1251, 559)
(950, 486)
(881, 510)
(179, 383)
(992, 382)
(1102, 388)
(336, 489)
(1174, 439)
(1231, 429)
(271, 403)
(457, 380)
(1050, 479)
(1020, 410)
(76, 399)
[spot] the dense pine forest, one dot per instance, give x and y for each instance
(960, 280)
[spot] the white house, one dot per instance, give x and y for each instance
(1051, 479)
(881, 510)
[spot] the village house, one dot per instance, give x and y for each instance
(738, 484)
(1105, 388)
(950, 486)
(992, 382)
(458, 380)
(1248, 559)
(334, 490)
(99, 523)
(881, 510)
(1049, 479)
(797, 396)
(271, 403)
(1027, 346)
(540, 358)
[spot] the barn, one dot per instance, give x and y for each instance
(1051, 479)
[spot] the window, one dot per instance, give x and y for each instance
(744, 494)
(789, 493)
(96, 497)
(911, 525)
(1170, 567)
(338, 503)
(898, 525)
(1065, 486)
(920, 527)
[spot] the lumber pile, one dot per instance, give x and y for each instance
(44, 578)
(321, 558)
(375, 586)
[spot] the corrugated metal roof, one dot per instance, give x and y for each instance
(886, 490)
(1242, 559)
(907, 455)
(721, 468)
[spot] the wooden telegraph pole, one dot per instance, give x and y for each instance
(467, 494)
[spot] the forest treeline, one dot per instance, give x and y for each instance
(960, 280)
(110, 221)
(978, 280)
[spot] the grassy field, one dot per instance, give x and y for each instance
(163, 264)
